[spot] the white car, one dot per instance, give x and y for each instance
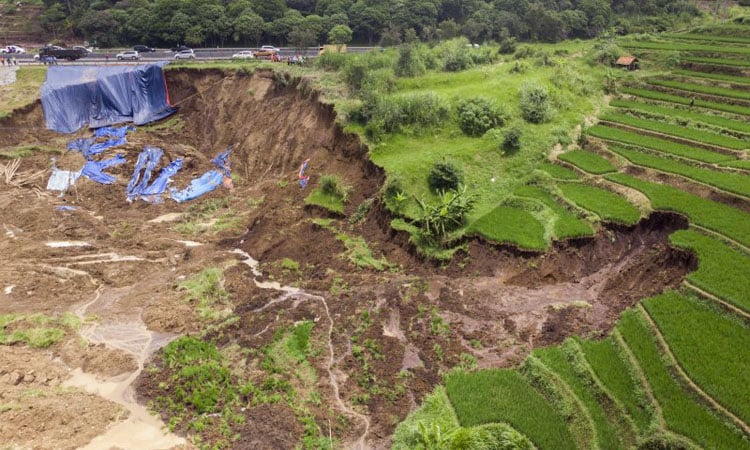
(269, 48)
(129, 54)
(185, 54)
(13, 49)
(245, 54)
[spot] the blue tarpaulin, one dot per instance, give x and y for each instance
(139, 186)
(94, 169)
(73, 96)
(119, 132)
(208, 181)
(147, 161)
(199, 186)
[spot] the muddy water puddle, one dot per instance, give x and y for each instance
(141, 429)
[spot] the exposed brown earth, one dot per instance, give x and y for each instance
(492, 304)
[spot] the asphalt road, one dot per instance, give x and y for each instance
(100, 56)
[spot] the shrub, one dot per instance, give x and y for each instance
(512, 138)
(524, 51)
(507, 46)
(535, 102)
(444, 176)
(333, 186)
(518, 67)
(454, 55)
(477, 115)
(447, 215)
(395, 113)
(409, 63)
(605, 53)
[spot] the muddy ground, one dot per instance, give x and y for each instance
(121, 269)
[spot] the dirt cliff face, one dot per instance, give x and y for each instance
(492, 304)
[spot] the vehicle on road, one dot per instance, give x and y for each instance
(185, 54)
(13, 49)
(245, 54)
(83, 49)
(143, 48)
(270, 48)
(71, 54)
(128, 54)
(179, 48)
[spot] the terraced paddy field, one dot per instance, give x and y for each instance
(672, 373)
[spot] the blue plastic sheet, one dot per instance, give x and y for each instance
(65, 208)
(153, 193)
(73, 96)
(94, 170)
(199, 186)
(208, 181)
(139, 186)
(119, 132)
(147, 161)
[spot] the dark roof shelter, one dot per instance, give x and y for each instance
(628, 62)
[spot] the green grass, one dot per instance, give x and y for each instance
(718, 61)
(683, 114)
(713, 76)
(722, 270)
(490, 396)
(731, 182)
(555, 359)
(435, 410)
(710, 346)
(685, 100)
(607, 205)
(36, 330)
(206, 290)
(681, 412)
(702, 89)
(694, 134)
(616, 375)
(24, 91)
(707, 37)
(715, 216)
(739, 164)
(654, 143)
(686, 47)
(509, 225)
(566, 224)
(588, 161)
(559, 172)
(327, 201)
(489, 174)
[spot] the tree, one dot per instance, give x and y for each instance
(340, 35)
(53, 19)
(248, 27)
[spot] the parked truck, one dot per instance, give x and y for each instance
(71, 54)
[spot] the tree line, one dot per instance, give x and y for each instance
(304, 23)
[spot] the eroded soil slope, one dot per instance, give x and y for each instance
(121, 268)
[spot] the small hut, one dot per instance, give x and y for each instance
(627, 62)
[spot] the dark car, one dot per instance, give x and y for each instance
(179, 48)
(143, 48)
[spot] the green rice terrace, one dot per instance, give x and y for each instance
(445, 246)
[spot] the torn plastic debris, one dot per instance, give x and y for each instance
(208, 181)
(138, 186)
(144, 166)
(118, 132)
(303, 179)
(88, 147)
(65, 208)
(61, 180)
(94, 169)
